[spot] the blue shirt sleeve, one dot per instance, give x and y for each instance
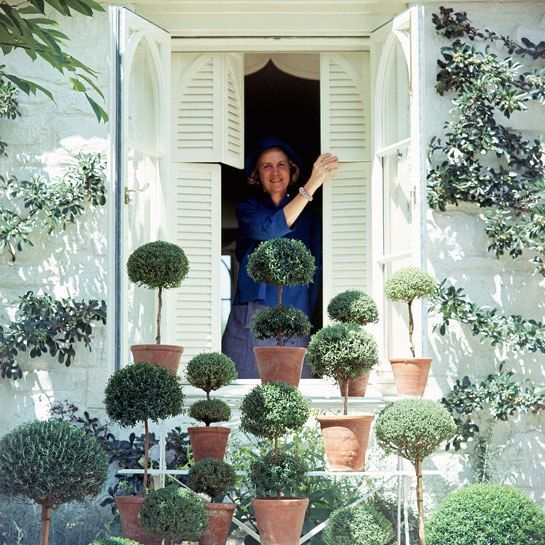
(258, 223)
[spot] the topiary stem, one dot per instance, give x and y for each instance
(159, 309)
(411, 329)
(146, 454)
(280, 288)
(46, 522)
(345, 408)
(420, 502)
(276, 449)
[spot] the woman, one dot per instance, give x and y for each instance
(273, 213)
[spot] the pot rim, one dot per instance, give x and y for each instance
(163, 347)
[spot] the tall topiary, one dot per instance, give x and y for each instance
(158, 265)
(51, 463)
(413, 429)
(211, 477)
(142, 392)
(353, 306)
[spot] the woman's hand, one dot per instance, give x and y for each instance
(325, 165)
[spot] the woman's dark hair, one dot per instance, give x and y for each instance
(254, 180)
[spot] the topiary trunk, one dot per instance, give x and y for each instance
(420, 501)
(159, 309)
(146, 455)
(411, 329)
(45, 524)
(345, 407)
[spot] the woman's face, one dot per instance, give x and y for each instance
(273, 169)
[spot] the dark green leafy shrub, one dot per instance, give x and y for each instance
(175, 513)
(487, 514)
(270, 474)
(114, 541)
(281, 323)
(211, 371)
(359, 525)
(353, 306)
(210, 411)
(409, 284)
(211, 477)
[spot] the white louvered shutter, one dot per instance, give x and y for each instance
(195, 224)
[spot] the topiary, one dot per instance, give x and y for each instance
(114, 541)
(51, 463)
(211, 371)
(342, 352)
(280, 323)
(141, 392)
(407, 285)
(158, 265)
(174, 513)
(358, 525)
(353, 306)
(210, 411)
(271, 474)
(211, 477)
(487, 514)
(413, 429)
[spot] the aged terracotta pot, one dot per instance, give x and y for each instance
(208, 442)
(280, 522)
(129, 507)
(410, 375)
(283, 363)
(356, 386)
(345, 440)
(165, 355)
(220, 516)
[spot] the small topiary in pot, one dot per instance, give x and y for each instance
(491, 514)
(414, 429)
(51, 463)
(280, 323)
(175, 513)
(353, 306)
(210, 411)
(211, 477)
(358, 525)
(211, 371)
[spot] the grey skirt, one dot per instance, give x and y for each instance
(238, 341)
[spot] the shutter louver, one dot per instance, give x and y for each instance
(234, 107)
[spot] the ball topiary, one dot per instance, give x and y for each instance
(487, 514)
(211, 371)
(211, 477)
(175, 513)
(281, 323)
(51, 463)
(114, 541)
(353, 306)
(358, 525)
(210, 411)
(273, 474)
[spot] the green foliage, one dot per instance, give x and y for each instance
(413, 428)
(342, 351)
(282, 262)
(113, 541)
(211, 371)
(25, 28)
(285, 473)
(9, 107)
(210, 411)
(281, 323)
(409, 284)
(174, 513)
(353, 306)
(51, 463)
(211, 477)
(359, 525)
(487, 514)
(48, 206)
(44, 325)
(272, 409)
(143, 391)
(158, 265)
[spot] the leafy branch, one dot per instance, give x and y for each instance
(9, 107)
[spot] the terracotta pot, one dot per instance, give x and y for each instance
(410, 375)
(345, 440)
(129, 507)
(208, 442)
(280, 522)
(356, 386)
(165, 355)
(283, 363)
(220, 516)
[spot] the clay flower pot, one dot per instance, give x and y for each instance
(280, 522)
(410, 375)
(345, 440)
(165, 355)
(129, 507)
(208, 442)
(220, 516)
(283, 363)
(356, 386)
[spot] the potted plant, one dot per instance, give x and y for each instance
(281, 262)
(343, 352)
(214, 478)
(410, 374)
(139, 393)
(209, 372)
(174, 513)
(354, 306)
(270, 411)
(158, 265)
(51, 463)
(413, 429)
